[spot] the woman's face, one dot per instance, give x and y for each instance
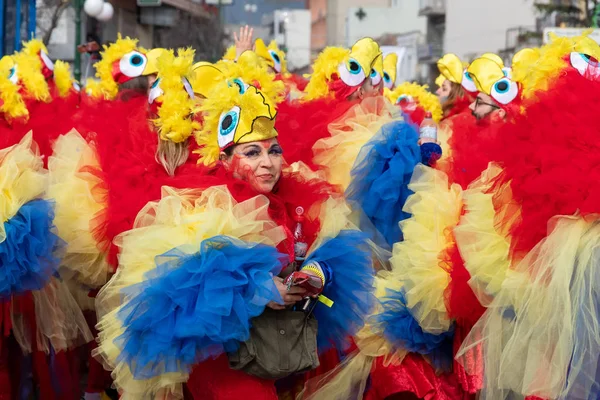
(444, 91)
(258, 163)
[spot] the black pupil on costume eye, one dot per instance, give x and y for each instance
(276, 57)
(354, 66)
(502, 86)
(227, 121)
(136, 60)
(386, 76)
(239, 85)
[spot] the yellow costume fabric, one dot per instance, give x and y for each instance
(416, 267)
(74, 187)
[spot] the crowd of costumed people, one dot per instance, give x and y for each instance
(179, 229)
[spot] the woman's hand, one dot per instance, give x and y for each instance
(243, 42)
(291, 297)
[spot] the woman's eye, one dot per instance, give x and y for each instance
(252, 153)
(277, 151)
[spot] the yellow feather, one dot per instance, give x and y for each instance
(29, 68)
(253, 71)
(13, 105)
(324, 68)
(62, 78)
(230, 54)
(175, 120)
(106, 87)
(420, 93)
(539, 75)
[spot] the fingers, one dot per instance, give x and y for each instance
(235, 37)
(275, 306)
(291, 299)
(296, 290)
(250, 34)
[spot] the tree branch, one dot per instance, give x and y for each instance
(56, 14)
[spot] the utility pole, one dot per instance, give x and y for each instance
(31, 19)
(77, 61)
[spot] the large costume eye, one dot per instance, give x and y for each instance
(387, 81)
(504, 91)
(351, 73)
(467, 83)
(46, 60)
(155, 91)
(13, 76)
(404, 100)
(587, 66)
(188, 87)
(242, 86)
(132, 64)
(375, 78)
(276, 60)
(228, 123)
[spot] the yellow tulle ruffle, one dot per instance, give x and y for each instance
(22, 178)
(182, 219)
(337, 153)
(60, 322)
(72, 186)
(416, 268)
(484, 250)
(540, 333)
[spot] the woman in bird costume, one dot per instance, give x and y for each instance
(341, 78)
(229, 238)
(534, 220)
(426, 306)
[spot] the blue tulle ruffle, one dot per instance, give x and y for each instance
(380, 179)
(196, 306)
(28, 255)
(404, 332)
(351, 288)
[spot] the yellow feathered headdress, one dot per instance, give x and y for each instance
(419, 94)
(390, 64)
(174, 94)
(541, 68)
(274, 57)
(33, 69)
(339, 72)
(234, 112)
(251, 69)
(12, 104)
(121, 61)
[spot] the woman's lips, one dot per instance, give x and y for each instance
(265, 177)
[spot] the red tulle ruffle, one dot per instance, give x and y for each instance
(301, 124)
(412, 375)
(214, 380)
(550, 156)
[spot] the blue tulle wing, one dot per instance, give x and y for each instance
(381, 176)
(196, 306)
(404, 332)
(351, 288)
(29, 254)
